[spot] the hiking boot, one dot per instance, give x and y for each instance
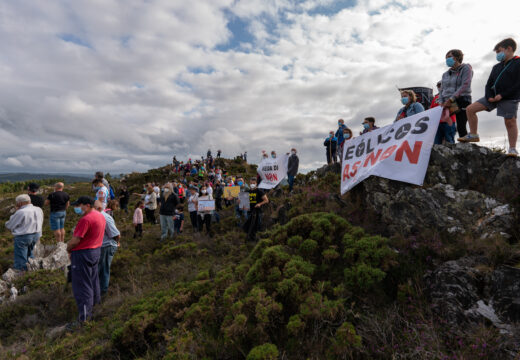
(469, 138)
(512, 152)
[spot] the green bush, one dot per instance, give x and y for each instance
(263, 352)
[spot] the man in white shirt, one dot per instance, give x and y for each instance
(26, 227)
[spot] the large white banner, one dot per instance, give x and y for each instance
(272, 171)
(400, 151)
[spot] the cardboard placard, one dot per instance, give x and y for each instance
(243, 201)
(206, 205)
(231, 191)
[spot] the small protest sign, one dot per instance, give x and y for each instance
(206, 205)
(272, 171)
(243, 201)
(231, 191)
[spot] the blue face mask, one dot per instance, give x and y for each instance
(450, 61)
(404, 100)
(240, 183)
(273, 156)
(78, 211)
(501, 56)
(366, 126)
(346, 136)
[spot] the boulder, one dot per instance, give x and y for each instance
(57, 259)
(10, 275)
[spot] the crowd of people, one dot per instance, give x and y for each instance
(502, 92)
(96, 238)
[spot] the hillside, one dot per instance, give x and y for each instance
(389, 270)
(15, 177)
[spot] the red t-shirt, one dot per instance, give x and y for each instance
(90, 228)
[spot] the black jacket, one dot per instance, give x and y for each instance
(168, 205)
(508, 85)
(292, 166)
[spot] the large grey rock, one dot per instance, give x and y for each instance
(4, 286)
(461, 293)
(57, 259)
(10, 275)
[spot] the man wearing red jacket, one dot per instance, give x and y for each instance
(85, 250)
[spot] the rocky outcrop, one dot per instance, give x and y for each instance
(467, 190)
(464, 291)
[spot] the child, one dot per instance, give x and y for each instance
(502, 93)
(178, 219)
(138, 219)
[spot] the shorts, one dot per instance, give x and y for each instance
(505, 108)
(57, 220)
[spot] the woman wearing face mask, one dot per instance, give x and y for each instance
(455, 90)
(273, 154)
(169, 202)
(150, 204)
(411, 106)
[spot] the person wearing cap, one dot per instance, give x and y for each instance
(292, 168)
(26, 226)
(109, 247)
(59, 201)
(32, 191)
(85, 251)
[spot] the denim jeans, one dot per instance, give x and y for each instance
(23, 247)
(105, 260)
(290, 179)
(239, 215)
(445, 132)
(166, 226)
(57, 220)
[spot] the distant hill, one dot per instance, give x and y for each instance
(14, 177)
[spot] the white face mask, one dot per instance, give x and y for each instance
(166, 190)
(293, 152)
(253, 186)
(203, 191)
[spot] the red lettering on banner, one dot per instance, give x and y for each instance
(372, 158)
(355, 168)
(271, 177)
(388, 152)
(412, 155)
(345, 172)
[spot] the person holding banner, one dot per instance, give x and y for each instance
(502, 93)
(411, 106)
(369, 124)
(257, 199)
(331, 144)
(455, 91)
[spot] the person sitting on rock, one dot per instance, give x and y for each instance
(26, 227)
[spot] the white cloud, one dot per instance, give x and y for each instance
(137, 82)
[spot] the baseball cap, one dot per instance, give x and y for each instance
(84, 200)
(33, 187)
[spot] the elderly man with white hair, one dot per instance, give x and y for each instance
(26, 227)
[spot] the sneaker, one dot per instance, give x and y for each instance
(469, 138)
(512, 152)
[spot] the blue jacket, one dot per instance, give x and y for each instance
(331, 144)
(339, 133)
(413, 109)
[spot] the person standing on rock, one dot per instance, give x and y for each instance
(59, 201)
(339, 132)
(447, 128)
(502, 93)
(331, 144)
(109, 247)
(292, 168)
(85, 250)
(26, 226)
(455, 90)
(32, 191)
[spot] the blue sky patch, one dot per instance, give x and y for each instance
(75, 40)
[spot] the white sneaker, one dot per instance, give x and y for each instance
(512, 152)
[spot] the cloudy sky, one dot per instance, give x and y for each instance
(124, 85)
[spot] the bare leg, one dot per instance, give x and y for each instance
(57, 235)
(471, 112)
(62, 235)
(512, 131)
